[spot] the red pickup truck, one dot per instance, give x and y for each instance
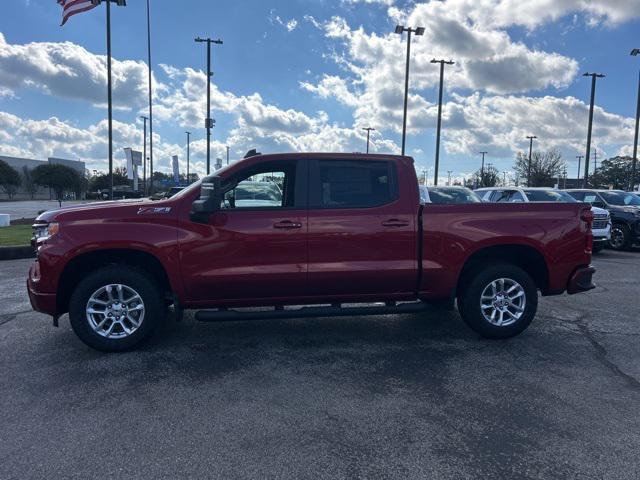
(305, 235)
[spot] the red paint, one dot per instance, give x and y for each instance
(301, 255)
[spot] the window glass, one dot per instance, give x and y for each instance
(444, 195)
(591, 198)
(496, 195)
(577, 195)
(357, 183)
(264, 186)
(549, 196)
(621, 199)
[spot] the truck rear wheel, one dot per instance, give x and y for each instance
(115, 308)
(499, 301)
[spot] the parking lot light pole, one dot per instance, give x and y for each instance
(439, 128)
(144, 153)
(635, 52)
(188, 154)
(400, 29)
(531, 139)
(208, 121)
(579, 157)
(368, 130)
(594, 77)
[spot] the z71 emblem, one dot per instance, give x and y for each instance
(154, 210)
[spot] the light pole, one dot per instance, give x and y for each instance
(144, 153)
(369, 130)
(208, 122)
(227, 155)
(188, 155)
(150, 100)
(442, 64)
(400, 29)
(449, 172)
(531, 139)
(482, 169)
(579, 157)
(594, 76)
(504, 178)
(635, 52)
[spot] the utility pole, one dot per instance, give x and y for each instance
(144, 154)
(400, 29)
(150, 100)
(208, 122)
(227, 155)
(635, 52)
(504, 179)
(188, 155)
(369, 130)
(594, 77)
(482, 167)
(595, 159)
(449, 172)
(579, 157)
(565, 177)
(531, 139)
(439, 128)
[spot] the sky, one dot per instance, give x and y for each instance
(308, 75)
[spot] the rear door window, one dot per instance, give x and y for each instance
(352, 183)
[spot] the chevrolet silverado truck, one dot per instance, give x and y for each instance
(329, 235)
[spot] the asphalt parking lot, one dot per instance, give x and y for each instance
(413, 396)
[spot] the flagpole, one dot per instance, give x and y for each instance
(109, 99)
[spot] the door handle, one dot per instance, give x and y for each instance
(287, 225)
(395, 223)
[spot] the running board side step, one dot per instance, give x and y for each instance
(335, 310)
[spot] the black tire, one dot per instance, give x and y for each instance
(469, 300)
(620, 237)
(140, 282)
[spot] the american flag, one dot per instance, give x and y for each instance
(71, 7)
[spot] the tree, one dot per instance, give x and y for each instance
(489, 177)
(59, 178)
(102, 182)
(28, 183)
(546, 167)
(9, 179)
(614, 172)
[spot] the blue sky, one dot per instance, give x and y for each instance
(308, 74)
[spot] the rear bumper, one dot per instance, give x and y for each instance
(581, 280)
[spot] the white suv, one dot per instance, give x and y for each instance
(601, 222)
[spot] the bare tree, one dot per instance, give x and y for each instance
(546, 167)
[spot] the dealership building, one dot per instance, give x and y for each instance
(20, 164)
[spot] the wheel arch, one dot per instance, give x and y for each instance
(525, 257)
(85, 263)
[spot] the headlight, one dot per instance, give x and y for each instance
(44, 231)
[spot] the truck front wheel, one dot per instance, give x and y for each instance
(499, 301)
(115, 308)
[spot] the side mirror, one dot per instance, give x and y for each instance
(209, 201)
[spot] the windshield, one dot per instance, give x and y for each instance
(621, 199)
(185, 191)
(445, 195)
(549, 196)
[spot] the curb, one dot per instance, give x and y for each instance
(16, 253)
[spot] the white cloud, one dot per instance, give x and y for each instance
(68, 70)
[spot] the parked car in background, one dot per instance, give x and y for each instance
(343, 229)
(166, 194)
(624, 208)
(120, 192)
(447, 195)
(602, 218)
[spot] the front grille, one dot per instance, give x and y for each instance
(600, 224)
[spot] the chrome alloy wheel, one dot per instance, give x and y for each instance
(503, 302)
(115, 311)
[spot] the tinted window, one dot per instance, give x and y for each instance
(445, 195)
(577, 195)
(506, 196)
(357, 183)
(549, 196)
(621, 199)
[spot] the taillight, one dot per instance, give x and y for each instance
(587, 217)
